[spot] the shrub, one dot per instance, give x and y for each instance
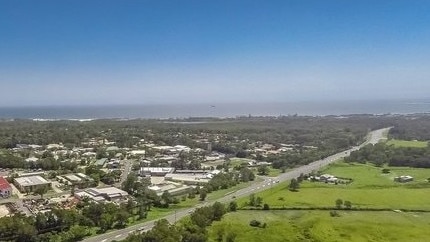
(385, 171)
(255, 223)
(266, 206)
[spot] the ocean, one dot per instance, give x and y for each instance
(308, 108)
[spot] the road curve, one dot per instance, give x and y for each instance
(373, 138)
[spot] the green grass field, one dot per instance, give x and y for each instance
(407, 143)
(238, 161)
(320, 226)
(370, 189)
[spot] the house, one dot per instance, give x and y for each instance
(100, 162)
(403, 179)
(5, 188)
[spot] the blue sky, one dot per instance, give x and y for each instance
(149, 52)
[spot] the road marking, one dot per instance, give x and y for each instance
(104, 240)
(264, 185)
(117, 236)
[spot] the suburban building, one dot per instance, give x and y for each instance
(5, 188)
(190, 179)
(155, 171)
(173, 189)
(31, 183)
(79, 179)
(103, 194)
(101, 162)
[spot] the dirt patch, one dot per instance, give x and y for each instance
(4, 211)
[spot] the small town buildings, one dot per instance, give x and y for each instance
(155, 171)
(31, 183)
(190, 179)
(112, 194)
(173, 189)
(328, 178)
(137, 153)
(5, 188)
(79, 179)
(100, 162)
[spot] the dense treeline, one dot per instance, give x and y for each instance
(381, 154)
(64, 225)
(327, 132)
(412, 128)
(193, 229)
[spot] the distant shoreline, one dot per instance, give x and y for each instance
(222, 110)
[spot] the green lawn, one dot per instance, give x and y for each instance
(320, 226)
(370, 188)
(274, 172)
(407, 143)
(237, 161)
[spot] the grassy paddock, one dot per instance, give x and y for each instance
(369, 189)
(320, 226)
(407, 143)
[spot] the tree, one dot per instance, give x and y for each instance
(255, 223)
(231, 236)
(203, 194)
(246, 174)
(106, 221)
(252, 199)
(41, 191)
(347, 204)
(232, 207)
(218, 210)
(76, 233)
(121, 218)
(162, 231)
(258, 201)
(129, 184)
(339, 203)
(294, 185)
(72, 190)
(263, 170)
(192, 194)
(167, 197)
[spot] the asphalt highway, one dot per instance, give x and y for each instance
(373, 138)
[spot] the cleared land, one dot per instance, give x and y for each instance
(407, 143)
(370, 189)
(320, 226)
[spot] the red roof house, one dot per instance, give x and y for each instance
(5, 188)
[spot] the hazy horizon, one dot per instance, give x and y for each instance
(90, 53)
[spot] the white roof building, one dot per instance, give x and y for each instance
(103, 194)
(31, 183)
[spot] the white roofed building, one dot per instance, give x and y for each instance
(31, 183)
